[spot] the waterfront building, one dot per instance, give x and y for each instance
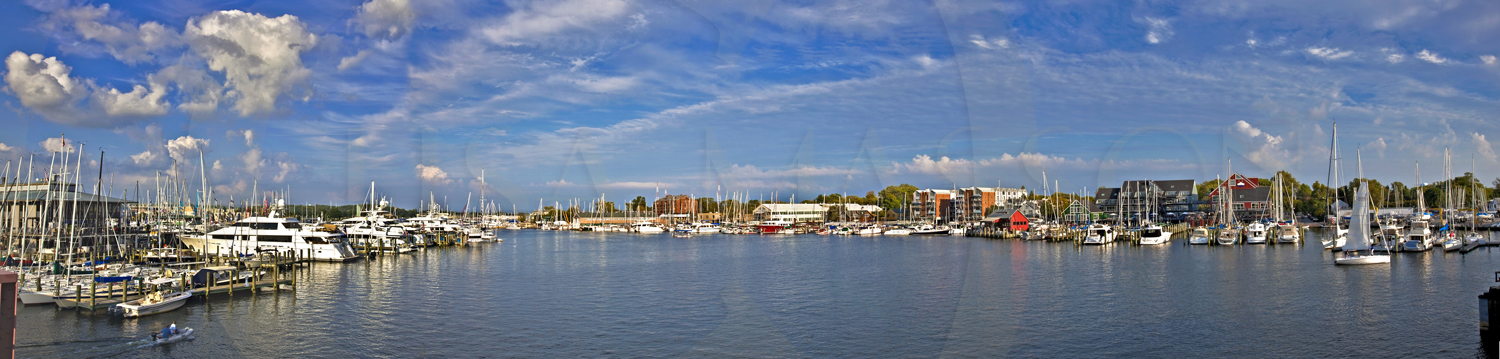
(22, 206)
(971, 203)
(619, 218)
(1250, 202)
(853, 212)
(932, 204)
(675, 204)
(1160, 199)
(1013, 220)
(1082, 211)
(791, 212)
(1030, 209)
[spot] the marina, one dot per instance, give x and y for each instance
(586, 294)
(765, 179)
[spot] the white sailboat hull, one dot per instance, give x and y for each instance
(1163, 239)
(35, 298)
(1362, 259)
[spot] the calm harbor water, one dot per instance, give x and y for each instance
(581, 294)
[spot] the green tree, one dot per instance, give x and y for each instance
(892, 197)
(639, 204)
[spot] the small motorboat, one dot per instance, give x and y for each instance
(182, 334)
(1200, 236)
(1098, 234)
(1452, 244)
(930, 230)
(153, 303)
(1154, 234)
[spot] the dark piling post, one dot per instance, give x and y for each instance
(10, 290)
(1489, 305)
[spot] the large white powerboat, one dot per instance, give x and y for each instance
(1417, 238)
(930, 230)
(646, 227)
(257, 234)
(897, 231)
(1255, 233)
(1154, 234)
(1099, 233)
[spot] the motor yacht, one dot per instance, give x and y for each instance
(1154, 234)
(258, 234)
(1099, 233)
(1255, 233)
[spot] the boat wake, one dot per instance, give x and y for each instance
(87, 348)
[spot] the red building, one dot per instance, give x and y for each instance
(675, 204)
(1013, 222)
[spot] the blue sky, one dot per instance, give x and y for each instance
(576, 98)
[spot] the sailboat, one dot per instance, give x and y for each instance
(1286, 229)
(1229, 233)
(1359, 234)
(1340, 235)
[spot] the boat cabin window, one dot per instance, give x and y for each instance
(293, 226)
(287, 239)
(223, 236)
(265, 226)
(1151, 233)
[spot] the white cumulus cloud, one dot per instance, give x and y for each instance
(1265, 149)
(433, 174)
(185, 149)
(1482, 146)
(41, 83)
(260, 57)
(1488, 59)
(56, 144)
(128, 43)
(137, 103)
(389, 19)
(44, 85)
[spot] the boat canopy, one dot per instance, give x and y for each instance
(112, 279)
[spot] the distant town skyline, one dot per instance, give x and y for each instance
(553, 100)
